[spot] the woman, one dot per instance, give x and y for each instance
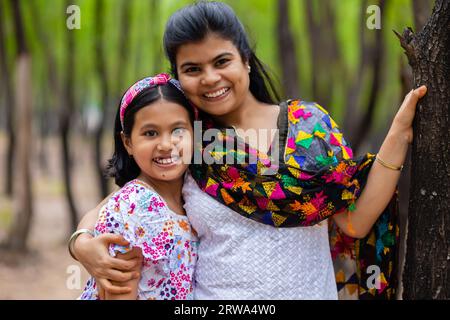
(241, 254)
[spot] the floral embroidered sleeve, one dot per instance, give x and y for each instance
(139, 215)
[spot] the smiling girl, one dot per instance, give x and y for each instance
(153, 147)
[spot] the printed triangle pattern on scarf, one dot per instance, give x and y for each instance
(318, 177)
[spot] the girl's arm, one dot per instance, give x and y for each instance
(94, 256)
(132, 284)
(382, 181)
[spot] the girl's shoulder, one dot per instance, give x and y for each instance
(137, 196)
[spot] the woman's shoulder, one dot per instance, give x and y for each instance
(310, 111)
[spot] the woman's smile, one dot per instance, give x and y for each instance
(217, 94)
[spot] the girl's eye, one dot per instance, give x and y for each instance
(178, 131)
(150, 133)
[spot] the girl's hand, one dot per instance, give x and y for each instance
(402, 124)
(93, 254)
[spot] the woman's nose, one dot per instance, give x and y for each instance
(210, 77)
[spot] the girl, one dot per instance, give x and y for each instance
(153, 147)
(235, 207)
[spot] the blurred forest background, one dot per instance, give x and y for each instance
(69, 83)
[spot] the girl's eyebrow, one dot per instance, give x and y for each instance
(220, 56)
(155, 126)
(148, 126)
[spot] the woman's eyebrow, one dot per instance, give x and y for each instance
(220, 56)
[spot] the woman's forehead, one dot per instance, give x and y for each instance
(203, 51)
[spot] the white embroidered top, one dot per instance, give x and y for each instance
(239, 258)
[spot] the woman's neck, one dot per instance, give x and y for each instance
(245, 115)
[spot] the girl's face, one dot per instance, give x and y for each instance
(161, 141)
(213, 75)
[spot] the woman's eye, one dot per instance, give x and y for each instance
(221, 62)
(150, 133)
(191, 69)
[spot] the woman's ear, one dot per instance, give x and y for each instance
(126, 143)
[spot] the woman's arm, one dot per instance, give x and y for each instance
(94, 256)
(382, 181)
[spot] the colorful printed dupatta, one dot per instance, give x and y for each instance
(316, 178)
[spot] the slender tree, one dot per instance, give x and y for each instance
(23, 204)
(101, 68)
(66, 116)
(286, 51)
(427, 267)
(6, 81)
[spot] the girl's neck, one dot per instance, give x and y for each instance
(170, 191)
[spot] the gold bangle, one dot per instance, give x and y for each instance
(389, 166)
(74, 237)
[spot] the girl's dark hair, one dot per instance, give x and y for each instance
(193, 23)
(121, 166)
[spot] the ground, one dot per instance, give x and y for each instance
(47, 271)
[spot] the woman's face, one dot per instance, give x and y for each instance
(213, 75)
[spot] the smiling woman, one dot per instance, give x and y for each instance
(266, 236)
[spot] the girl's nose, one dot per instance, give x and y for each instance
(166, 143)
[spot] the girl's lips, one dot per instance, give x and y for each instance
(167, 162)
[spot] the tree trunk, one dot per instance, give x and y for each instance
(23, 209)
(286, 52)
(65, 120)
(427, 266)
(104, 93)
(6, 80)
(376, 55)
(421, 10)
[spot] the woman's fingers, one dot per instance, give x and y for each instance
(136, 252)
(416, 94)
(120, 276)
(112, 289)
(123, 265)
(114, 238)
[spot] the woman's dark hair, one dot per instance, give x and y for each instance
(121, 166)
(193, 23)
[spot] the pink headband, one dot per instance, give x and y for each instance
(138, 87)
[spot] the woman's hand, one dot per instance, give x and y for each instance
(93, 254)
(402, 124)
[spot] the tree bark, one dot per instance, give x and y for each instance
(23, 205)
(286, 52)
(427, 266)
(6, 80)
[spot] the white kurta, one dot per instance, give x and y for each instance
(239, 258)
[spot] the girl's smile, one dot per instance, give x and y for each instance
(161, 141)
